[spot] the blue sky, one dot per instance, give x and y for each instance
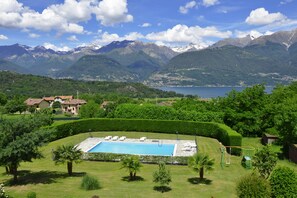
(65, 24)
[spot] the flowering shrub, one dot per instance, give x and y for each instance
(2, 192)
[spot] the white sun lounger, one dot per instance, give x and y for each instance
(122, 138)
(186, 149)
(108, 137)
(142, 139)
(115, 138)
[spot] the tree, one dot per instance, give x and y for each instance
(283, 181)
(56, 105)
(286, 122)
(19, 141)
(243, 110)
(90, 110)
(132, 164)
(264, 161)
(3, 99)
(15, 105)
(253, 186)
(67, 154)
(162, 176)
(200, 162)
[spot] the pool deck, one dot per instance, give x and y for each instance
(183, 147)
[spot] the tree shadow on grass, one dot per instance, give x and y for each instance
(42, 177)
(162, 189)
(197, 181)
(127, 179)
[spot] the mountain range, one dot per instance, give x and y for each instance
(267, 59)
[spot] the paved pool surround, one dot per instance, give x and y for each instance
(180, 150)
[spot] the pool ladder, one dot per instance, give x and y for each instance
(160, 143)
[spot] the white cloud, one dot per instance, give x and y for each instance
(63, 18)
(185, 34)
(208, 3)
(260, 16)
(3, 37)
(146, 25)
(72, 38)
(253, 33)
(32, 35)
(286, 2)
(110, 12)
(73, 11)
(189, 5)
(107, 38)
(55, 48)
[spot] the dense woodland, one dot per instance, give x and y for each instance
(13, 84)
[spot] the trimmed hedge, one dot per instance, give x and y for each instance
(223, 133)
(113, 157)
(154, 112)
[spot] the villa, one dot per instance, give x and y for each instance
(68, 103)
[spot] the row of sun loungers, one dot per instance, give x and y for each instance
(122, 138)
(188, 146)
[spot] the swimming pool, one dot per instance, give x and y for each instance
(134, 148)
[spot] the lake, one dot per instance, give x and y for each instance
(206, 92)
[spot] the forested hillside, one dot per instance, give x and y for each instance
(36, 86)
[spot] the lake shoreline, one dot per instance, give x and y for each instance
(207, 92)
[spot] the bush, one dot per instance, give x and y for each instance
(2, 192)
(31, 195)
(148, 111)
(221, 132)
(283, 182)
(253, 186)
(90, 183)
(264, 161)
(162, 176)
(114, 157)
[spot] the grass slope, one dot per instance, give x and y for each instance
(48, 180)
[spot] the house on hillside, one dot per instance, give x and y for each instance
(68, 103)
(60, 99)
(37, 103)
(72, 106)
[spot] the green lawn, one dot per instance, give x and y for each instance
(48, 180)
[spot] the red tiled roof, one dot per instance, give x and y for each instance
(65, 97)
(51, 98)
(33, 101)
(74, 102)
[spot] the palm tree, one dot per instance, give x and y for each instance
(69, 154)
(132, 164)
(200, 162)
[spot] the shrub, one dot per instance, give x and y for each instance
(162, 176)
(154, 159)
(90, 183)
(264, 161)
(283, 182)
(2, 192)
(148, 111)
(253, 186)
(221, 132)
(31, 195)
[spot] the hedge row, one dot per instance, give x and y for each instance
(112, 157)
(147, 111)
(221, 132)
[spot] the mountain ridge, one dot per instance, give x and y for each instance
(266, 59)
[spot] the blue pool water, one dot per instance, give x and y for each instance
(134, 148)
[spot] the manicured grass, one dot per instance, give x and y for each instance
(48, 180)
